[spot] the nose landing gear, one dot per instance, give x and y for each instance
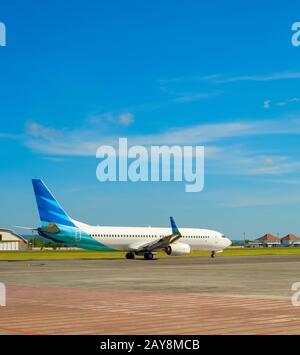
(213, 254)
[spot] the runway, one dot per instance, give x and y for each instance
(191, 295)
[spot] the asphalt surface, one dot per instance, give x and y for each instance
(190, 295)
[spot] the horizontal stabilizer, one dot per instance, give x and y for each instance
(26, 228)
(50, 228)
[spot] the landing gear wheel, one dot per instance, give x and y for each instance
(129, 255)
(148, 256)
(213, 254)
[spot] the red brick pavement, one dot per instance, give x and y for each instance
(53, 310)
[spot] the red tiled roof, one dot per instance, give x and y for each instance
(290, 237)
(268, 237)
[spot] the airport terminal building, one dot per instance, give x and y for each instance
(270, 241)
(267, 241)
(290, 240)
(11, 241)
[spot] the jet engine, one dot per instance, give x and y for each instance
(178, 249)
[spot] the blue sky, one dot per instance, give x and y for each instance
(78, 74)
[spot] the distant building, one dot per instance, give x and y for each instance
(290, 240)
(250, 244)
(268, 241)
(9, 240)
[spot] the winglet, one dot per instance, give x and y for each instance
(174, 227)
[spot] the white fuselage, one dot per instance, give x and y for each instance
(131, 238)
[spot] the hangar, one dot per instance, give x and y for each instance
(9, 240)
(290, 240)
(270, 241)
(267, 241)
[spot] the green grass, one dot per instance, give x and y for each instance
(58, 255)
(67, 255)
(260, 251)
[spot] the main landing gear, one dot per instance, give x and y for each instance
(213, 254)
(148, 256)
(130, 255)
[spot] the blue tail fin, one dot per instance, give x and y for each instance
(50, 210)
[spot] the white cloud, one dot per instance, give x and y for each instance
(85, 141)
(222, 155)
(184, 97)
(39, 131)
(290, 181)
(189, 78)
(267, 104)
(233, 160)
(192, 97)
(221, 79)
(269, 161)
(261, 199)
(126, 119)
(263, 77)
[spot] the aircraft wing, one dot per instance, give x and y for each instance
(163, 242)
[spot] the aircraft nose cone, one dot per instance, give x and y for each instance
(228, 242)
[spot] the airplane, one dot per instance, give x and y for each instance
(58, 226)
